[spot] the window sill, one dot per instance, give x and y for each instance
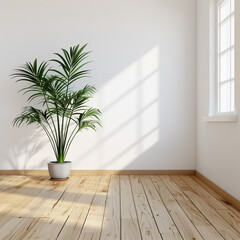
(221, 118)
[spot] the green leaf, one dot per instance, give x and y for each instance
(62, 105)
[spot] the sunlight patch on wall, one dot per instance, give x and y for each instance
(130, 106)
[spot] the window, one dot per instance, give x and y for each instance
(223, 86)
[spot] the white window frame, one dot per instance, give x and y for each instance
(214, 106)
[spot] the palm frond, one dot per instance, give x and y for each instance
(61, 104)
(36, 78)
(71, 64)
(31, 115)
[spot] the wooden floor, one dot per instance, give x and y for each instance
(114, 208)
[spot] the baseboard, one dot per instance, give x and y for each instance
(100, 172)
(25, 172)
(235, 202)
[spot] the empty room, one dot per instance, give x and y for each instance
(119, 120)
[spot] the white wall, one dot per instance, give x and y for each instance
(144, 70)
(218, 151)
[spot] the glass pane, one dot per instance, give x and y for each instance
(232, 96)
(232, 5)
(225, 100)
(225, 9)
(232, 64)
(225, 67)
(225, 35)
(232, 31)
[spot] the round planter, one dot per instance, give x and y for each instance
(59, 170)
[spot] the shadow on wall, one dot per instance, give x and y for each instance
(26, 153)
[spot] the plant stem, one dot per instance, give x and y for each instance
(70, 139)
(50, 139)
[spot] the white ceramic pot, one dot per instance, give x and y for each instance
(59, 170)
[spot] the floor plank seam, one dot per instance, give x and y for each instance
(201, 211)
(135, 207)
(151, 209)
(203, 214)
(120, 206)
(210, 207)
(167, 209)
(105, 208)
(90, 204)
(62, 227)
(228, 205)
(227, 209)
(183, 209)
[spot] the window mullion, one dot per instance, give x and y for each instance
(230, 36)
(218, 60)
(226, 18)
(226, 50)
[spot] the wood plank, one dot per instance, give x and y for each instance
(47, 199)
(8, 182)
(73, 227)
(174, 184)
(216, 195)
(93, 224)
(69, 198)
(222, 210)
(163, 220)
(214, 203)
(129, 222)
(49, 226)
(229, 198)
(147, 224)
(111, 221)
(184, 225)
(13, 185)
(16, 198)
(231, 218)
(204, 204)
(35, 210)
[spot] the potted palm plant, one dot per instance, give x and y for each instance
(62, 111)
